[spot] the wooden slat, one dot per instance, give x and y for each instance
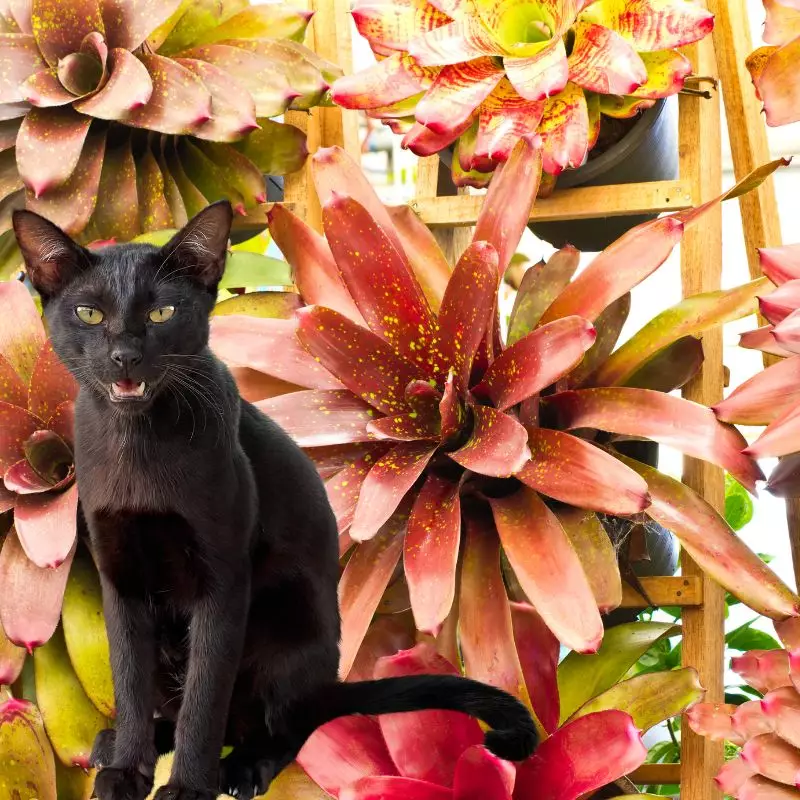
(685, 592)
(584, 202)
(701, 270)
(657, 774)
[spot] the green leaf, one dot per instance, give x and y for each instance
(250, 270)
(736, 699)
(747, 638)
(738, 504)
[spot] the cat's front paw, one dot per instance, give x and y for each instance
(103, 749)
(122, 784)
(172, 792)
(244, 779)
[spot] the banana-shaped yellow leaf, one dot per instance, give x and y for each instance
(85, 634)
(28, 769)
(72, 722)
(73, 783)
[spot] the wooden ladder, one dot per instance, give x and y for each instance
(700, 179)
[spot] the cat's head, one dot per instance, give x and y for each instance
(127, 319)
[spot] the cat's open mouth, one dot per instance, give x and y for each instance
(128, 390)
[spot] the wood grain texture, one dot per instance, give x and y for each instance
(701, 271)
(685, 592)
(658, 774)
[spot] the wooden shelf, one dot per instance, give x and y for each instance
(584, 202)
(657, 774)
(686, 592)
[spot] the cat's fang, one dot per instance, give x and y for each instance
(128, 390)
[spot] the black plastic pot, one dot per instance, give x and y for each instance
(648, 152)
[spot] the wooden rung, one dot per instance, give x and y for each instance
(584, 202)
(679, 591)
(657, 774)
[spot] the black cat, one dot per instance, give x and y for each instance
(216, 545)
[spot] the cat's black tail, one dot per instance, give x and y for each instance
(513, 736)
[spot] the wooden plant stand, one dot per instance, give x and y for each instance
(700, 179)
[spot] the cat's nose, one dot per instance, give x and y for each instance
(125, 356)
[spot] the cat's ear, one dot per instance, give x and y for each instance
(200, 247)
(51, 257)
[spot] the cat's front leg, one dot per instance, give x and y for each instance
(132, 643)
(217, 632)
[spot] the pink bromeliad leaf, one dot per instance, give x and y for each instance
(46, 526)
(713, 720)
(381, 787)
(780, 264)
(481, 775)
(749, 720)
(781, 708)
(21, 331)
(764, 670)
(772, 757)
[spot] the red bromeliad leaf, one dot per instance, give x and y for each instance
(12, 388)
(498, 445)
(129, 87)
(426, 745)
(784, 480)
(19, 57)
(409, 427)
(363, 583)
(58, 39)
(430, 555)
(423, 141)
(360, 359)
(390, 28)
(314, 270)
(16, 426)
(666, 73)
(654, 24)
(50, 456)
(43, 89)
(46, 526)
(481, 775)
(548, 569)
(770, 70)
(732, 776)
(30, 604)
(22, 478)
(388, 634)
(21, 331)
(760, 788)
(780, 264)
(456, 94)
(691, 428)
(620, 267)
(536, 361)
(49, 145)
(596, 553)
(772, 757)
(608, 327)
(451, 411)
(710, 541)
(765, 397)
(787, 332)
(270, 346)
(540, 286)
(51, 384)
(343, 751)
(570, 764)
(542, 75)
(381, 787)
(344, 487)
(574, 471)
(603, 61)
(466, 309)
(317, 418)
(379, 280)
(127, 23)
(538, 651)
(384, 487)
(458, 41)
(777, 305)
(423, 253)
(63, 422)
(506, 209)
(564, 130)
(781, 438)
(396, 78)
(671, 368)
(763, 339)
(484, 621)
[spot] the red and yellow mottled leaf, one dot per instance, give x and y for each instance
(19, 58)
(396, 78)
(570, 764)
(385, 486)
(390, 26)
(16, 424)
(451, 411)
(23, 479)
(62, 422)
(506, 209)
(548, 569)
(771, 69)
(344, 488)
(118, 215)
(619, 107)
(456, 94)
(653, 24)
(30, 604)
(574, 471)
(485, 628)
(603, 61)
(425, 746)
(129, 22)
(672, 421)
(319, 418)
(59, 29)
(276, 148)
(21, 331)
(363, 583)
(362, 361)
(12, 388)
(423, 141)
(51, 384)
(467, 308)
(462, 40)
(710, 541)
(430, 554)
(538, 651)
(270, 346)
(380, 282)
(536, 361)
(409, 427)
(542, 75)
(497, 446)
(49, 146)
(666, 73)
(43, 89)
(540, 286)
(564, 130)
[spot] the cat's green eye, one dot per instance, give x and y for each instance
(89, 314)
(162, 314)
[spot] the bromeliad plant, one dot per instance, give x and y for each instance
(158, 107)
(428, 424)
(772, 67)
(487, 73)
(771, 397)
